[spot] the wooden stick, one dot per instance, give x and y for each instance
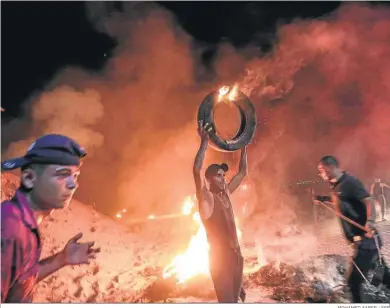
(344, 217)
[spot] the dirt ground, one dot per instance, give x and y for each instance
(131, 261)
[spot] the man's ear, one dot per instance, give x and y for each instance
(29, 178)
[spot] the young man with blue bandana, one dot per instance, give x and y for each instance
(49, 173)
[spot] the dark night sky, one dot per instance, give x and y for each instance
(39, 38)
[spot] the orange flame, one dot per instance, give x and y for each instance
(231, 93)
(195, 260)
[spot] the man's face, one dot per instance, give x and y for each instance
(325, 172)
(54, 187)
(377, 180)
(219, 179)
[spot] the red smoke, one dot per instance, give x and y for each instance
(324, 88)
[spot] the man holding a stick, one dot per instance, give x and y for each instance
(353, 204)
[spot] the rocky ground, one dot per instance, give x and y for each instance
(299, 263)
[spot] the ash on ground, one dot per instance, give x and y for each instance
(318, 279)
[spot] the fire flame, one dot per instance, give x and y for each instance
(195, 260)
(231, 93)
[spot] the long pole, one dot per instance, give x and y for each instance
(343, 217)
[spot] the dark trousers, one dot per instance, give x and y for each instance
(226, 269)
(364, 259)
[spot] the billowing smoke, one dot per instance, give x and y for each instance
(324, 88)
(67, 111)
(136, 117)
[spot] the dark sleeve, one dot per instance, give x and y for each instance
(355, 189)
(10, 255)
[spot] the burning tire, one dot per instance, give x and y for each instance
(247, 111)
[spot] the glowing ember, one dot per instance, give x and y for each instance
(118, 215)
(151, 217)
(124, 210)
(195, 260)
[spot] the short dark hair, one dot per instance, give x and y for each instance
(39, 169)
(329, 160)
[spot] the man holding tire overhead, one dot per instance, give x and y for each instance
(215, 208)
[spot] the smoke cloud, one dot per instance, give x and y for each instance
(324, 88)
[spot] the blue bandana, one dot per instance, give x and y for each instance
(53, 149)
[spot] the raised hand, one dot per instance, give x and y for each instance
(204, 130)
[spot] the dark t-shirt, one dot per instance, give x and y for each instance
(351, 194)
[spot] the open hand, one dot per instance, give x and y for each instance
(79, 253)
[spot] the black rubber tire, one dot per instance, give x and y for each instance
(247, 128)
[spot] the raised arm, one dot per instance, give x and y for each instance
(198, 163)
(242, 172)
(385, 185)
(202, 194)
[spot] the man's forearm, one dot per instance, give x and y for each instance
(199, 158)
(50, 265)
(243, 167)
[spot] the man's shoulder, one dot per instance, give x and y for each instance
(11, 217)
(351, 179)
(9, 208)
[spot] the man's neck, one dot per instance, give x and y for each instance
(38, 212)
(337, 175)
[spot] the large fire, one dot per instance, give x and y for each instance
(195, 260)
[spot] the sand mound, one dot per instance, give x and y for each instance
(130, 265)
